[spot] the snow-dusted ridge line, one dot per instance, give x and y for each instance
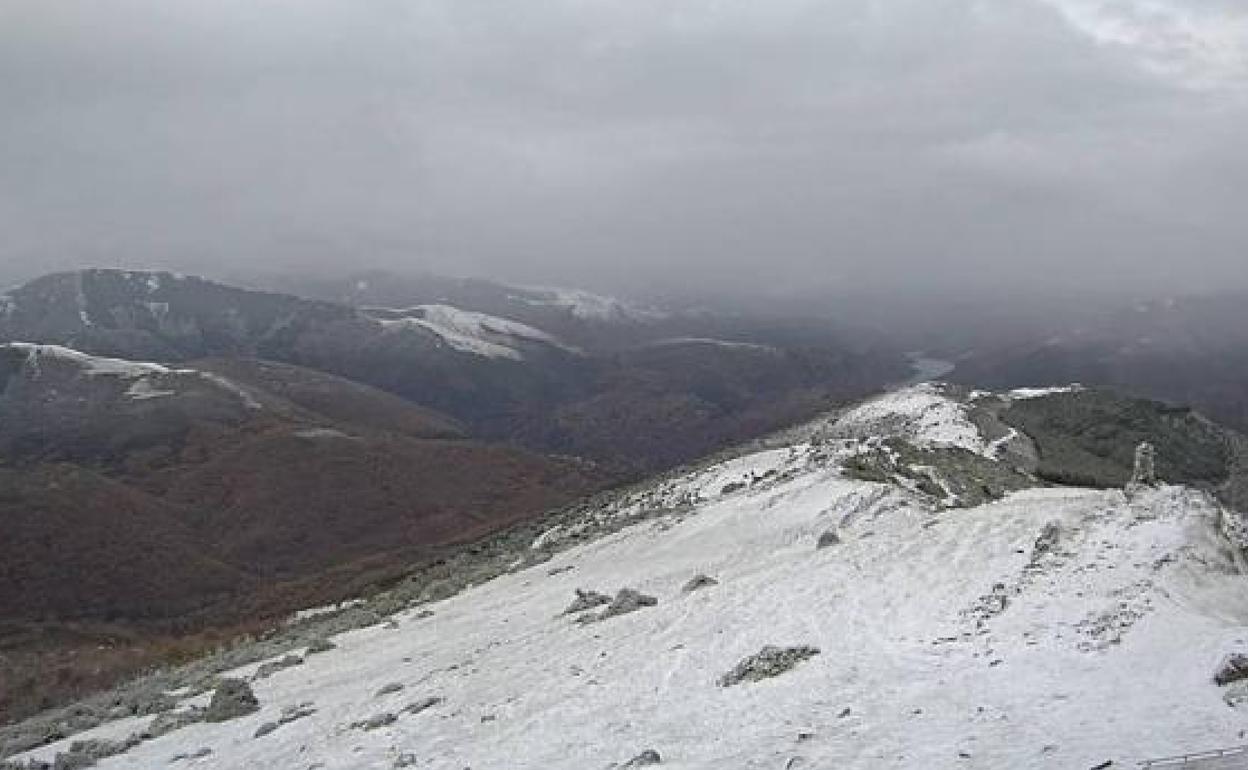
(948, 639)
(466, 331)
(91, 365)
(148, 380)
(710, 341)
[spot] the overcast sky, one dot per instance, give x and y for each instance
(786, 144)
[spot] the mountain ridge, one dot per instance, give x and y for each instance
(924, 580)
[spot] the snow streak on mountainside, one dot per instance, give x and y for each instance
(144, 380)
(1053, 628)
(467, 331)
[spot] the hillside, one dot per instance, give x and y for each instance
(555, 371)
(955, 611)
(184, 461)
(138, 498)
(1181, 350)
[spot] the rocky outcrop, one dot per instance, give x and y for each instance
(698, 582)
(233, 698)
(767, 663)
(586, 600)
(1233, 668)
(627, 600)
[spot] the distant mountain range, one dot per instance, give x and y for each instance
(178, 454)
(1182, 350)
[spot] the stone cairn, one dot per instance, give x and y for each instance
(1145, 473)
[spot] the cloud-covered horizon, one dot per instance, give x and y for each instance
(792, 145)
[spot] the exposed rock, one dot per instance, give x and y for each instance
(289, 714)
(645, 759)
(1048, 539)
(265, 729)
(393, 687)
(376, 721)
(827, 539)
(405, 760)
(626, 601)
(86, 753)
(1233, 668)
(320, 644)
(766, 663)
(267, 670)
(232, 699)
(586, 600)
(699, 582)
(173, 720)
(735, 486)
(418, 706)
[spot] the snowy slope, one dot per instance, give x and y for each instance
(947, 639)
(469, 332)
(925, 414)
(144, 380)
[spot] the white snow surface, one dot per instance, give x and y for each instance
(1021, 394)
(91, 365)
(471, 332)
(1102, 649)
(924, 414)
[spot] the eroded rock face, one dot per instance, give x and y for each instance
(767, 663)
(233, 698)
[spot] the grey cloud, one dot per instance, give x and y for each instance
(632, 143)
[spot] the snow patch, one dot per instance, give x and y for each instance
(91, 365)
(142, 389)
(467, 331)
(248, 400)
(322, 433)
(716, 343)
(1022, 394)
